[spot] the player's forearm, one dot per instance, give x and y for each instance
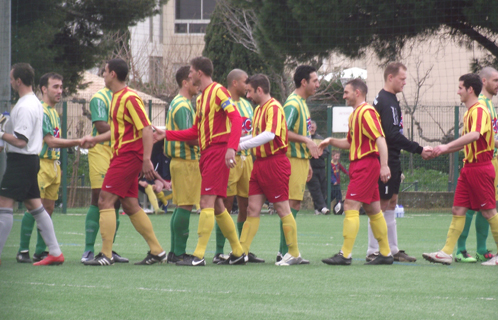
(236, 121)
(257, 141)
(382, 146)
(459, 143)
(147, 142)
(294, 137)
(340, 143)
(53, 142)
(102, 126)
(13, 140)
(182, 135)
(102, 137)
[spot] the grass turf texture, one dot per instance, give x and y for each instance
(124, 291)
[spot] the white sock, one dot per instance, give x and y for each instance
(373, 244)
(392, 232)
(6, 222)
(46, 227)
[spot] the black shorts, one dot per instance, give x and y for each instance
(20, 181)
(386, 190)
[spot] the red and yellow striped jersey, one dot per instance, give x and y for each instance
(478, 119)
(127, 118)
(214, 112)
(270, 117)
(364, 129)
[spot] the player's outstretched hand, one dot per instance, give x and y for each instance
(230, 158)
(427, 153)
(87, 142)
(148, 170)
(324, 144)
(439, 150)
(310, 174)
(158, 134)
(385, 173)
(313, 148)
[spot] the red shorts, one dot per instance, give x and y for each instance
(214, 171)
(121, 178)
(364, 180)
(476, 187)
(270, 176)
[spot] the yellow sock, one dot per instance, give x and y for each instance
(107, 223)
(225, 222)
(152, 197)
(290, 232)
(142, 224)
(206, 225)
(161, 196)
(248, 233)
(379, 230)
(456, 228)
(493, 224)
(350, 228)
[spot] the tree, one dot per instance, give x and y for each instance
(66, 36)
(304, 29)
(229, 44)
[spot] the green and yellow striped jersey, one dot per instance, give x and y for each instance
(298, 120)
(492, 112)
(180, 116)
(99, 109)
(51, 125)
(246, 113)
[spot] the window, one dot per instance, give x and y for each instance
(192, 16)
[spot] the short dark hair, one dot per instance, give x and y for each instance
(203, 64)
(302, 72)
(358, 84)
(334, 151)
(182, 74)
(259, 80)
(50, 75)
(393, 68)
(472, 80)
(120, 67)
(25, 72)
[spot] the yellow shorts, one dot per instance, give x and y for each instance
(185, 181)
(297, 179)
(494, 161)
(238, 180)
(49, 179)
(99, 158)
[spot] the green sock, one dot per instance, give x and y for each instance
(482, 230)
(181, 222)
(27, 225)
(117, 225)
(220, 239)
(40, 244)
(240, 225)
(465, 233)
(91, 227)
(283, 244)
(172, 230)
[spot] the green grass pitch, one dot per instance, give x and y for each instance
(258, 291)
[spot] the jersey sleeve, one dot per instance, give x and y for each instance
(394, 137)
(291, 115)
(371, 125)
(136, 110)
(98, 110)
(225, 100)
(274, 120)
(47, 125)
(183, 118)
(479, 120)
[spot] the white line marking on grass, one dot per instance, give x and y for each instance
(74, 233)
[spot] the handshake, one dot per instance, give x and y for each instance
(431, 153)
(87, 142)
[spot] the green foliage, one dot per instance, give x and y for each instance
(66, 36)
(304, 29)
(228, 55)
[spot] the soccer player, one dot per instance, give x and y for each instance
(272, 168)
(475, 187)
(49, 176)
(215, 112)
(387, 106)
(238, 180)
(131, 142)
(24, 137)
(365, 142)
(489, 77)
(184, 166)
(99, 158)
(301, 146)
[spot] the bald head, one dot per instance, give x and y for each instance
(489, 77)
(236, 83)
(234, 75)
